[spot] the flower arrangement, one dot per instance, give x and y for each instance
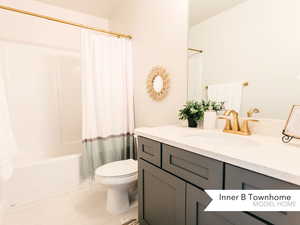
(193, 111)
(212, 105)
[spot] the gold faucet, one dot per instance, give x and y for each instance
(233, 126)
(252, 111)
(235, 119)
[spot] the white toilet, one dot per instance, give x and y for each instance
(119, 177)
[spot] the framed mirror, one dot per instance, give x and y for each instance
(158, 83)
(246, 41)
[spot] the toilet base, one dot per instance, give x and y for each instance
(118, 199)
(120, 178)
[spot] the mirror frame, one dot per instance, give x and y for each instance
(158, 71)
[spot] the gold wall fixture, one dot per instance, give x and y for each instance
(158, 83)
(244, 84)
(65, 22)
(195, 50)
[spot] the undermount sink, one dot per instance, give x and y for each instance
(222, 139)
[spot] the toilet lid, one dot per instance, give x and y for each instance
(118, 169)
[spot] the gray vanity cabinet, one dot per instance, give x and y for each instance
(171, 183)
(242, 179)
(197, 200)
(161, 196)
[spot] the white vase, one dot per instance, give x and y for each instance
(210, 119)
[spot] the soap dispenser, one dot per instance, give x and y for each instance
(210, 119)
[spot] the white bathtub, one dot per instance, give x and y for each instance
(41, 179)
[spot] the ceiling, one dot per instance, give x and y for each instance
(100, 8)
(201, 10)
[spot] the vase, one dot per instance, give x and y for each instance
(210, 119)
(192, 122)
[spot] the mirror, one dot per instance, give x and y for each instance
(158, 83)
(250, 41)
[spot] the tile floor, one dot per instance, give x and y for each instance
(83, 207)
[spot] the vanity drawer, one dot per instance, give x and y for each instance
(149, 150)
(201, 171)
(241, 179)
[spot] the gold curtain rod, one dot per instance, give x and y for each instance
(65, 22)
(244, 84)
(195, 50)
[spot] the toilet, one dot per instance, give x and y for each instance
(119, 177)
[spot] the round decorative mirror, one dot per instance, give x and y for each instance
(158, 83)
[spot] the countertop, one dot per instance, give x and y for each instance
(268, 156)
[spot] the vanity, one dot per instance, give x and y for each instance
(236, 59)
(177, 164)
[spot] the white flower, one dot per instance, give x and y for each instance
(193, 110)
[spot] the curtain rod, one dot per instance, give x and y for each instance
(65, 22)
(195, 50)
(245, 84)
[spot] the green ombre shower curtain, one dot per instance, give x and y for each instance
(107, 100)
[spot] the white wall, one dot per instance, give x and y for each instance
(159, 29)
(28, 29)
(257, 41)
(41, 62)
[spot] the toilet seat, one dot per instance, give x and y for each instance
(119, 169)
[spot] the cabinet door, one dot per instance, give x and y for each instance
(161, 197)
(197, 200)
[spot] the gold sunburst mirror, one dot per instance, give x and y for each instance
(158, 83)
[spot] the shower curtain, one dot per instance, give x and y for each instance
(8, 145)
(107, 96)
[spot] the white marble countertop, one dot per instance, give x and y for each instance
(262, 154)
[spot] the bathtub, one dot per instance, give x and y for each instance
(43, 178)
